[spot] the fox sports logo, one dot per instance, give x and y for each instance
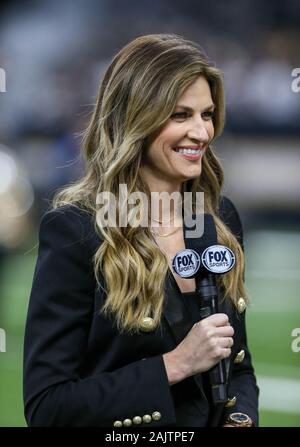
(218, 259)
(186, 263)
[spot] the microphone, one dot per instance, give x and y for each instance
(202, 259)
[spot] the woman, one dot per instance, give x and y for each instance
(101, 346)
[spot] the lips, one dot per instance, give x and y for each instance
(189, 152)
(188, 148)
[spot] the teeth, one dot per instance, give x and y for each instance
(189, 151)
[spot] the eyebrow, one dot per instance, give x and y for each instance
(189, 109)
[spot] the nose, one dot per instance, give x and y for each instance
(198, 131)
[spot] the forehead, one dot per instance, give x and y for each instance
(197, 93)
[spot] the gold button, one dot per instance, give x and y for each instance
(231, 402)
(241, 305)
(147, 418)
(156, 416)
(239, 357)
(137, 420)
(127, 422)
(118, 424)
(147, 324)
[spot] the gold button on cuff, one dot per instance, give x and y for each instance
(127, 423)
(118, 424)
(137, 420)
(241, 305)
(156, 416)
(230, 402)
(239, 357)
(147, 418)
(147, 324)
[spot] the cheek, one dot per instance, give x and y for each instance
(210, 130)
(158, 147)
(171, 134)
(155, 151)
(168, 137)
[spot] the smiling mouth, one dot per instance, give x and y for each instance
(187, 151)
(190, 153)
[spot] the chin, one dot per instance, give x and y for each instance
(192, 175)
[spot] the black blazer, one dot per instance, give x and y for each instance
(79, 370)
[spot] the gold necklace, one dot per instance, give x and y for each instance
(167, 234)
(163, 221)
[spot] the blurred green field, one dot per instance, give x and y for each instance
(273, 281)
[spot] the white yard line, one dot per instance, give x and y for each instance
(282, 275)
(278, 370)
(275, 305)
(279, 394)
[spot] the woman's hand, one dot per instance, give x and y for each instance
(208, 342)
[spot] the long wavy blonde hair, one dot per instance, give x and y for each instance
(137, 96)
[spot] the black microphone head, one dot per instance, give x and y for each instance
(207, 233)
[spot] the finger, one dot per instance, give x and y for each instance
(225, 342)
(224, 331)
(218, 319)
(225, 352)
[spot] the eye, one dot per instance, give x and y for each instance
(179, 115)
(208, 115)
